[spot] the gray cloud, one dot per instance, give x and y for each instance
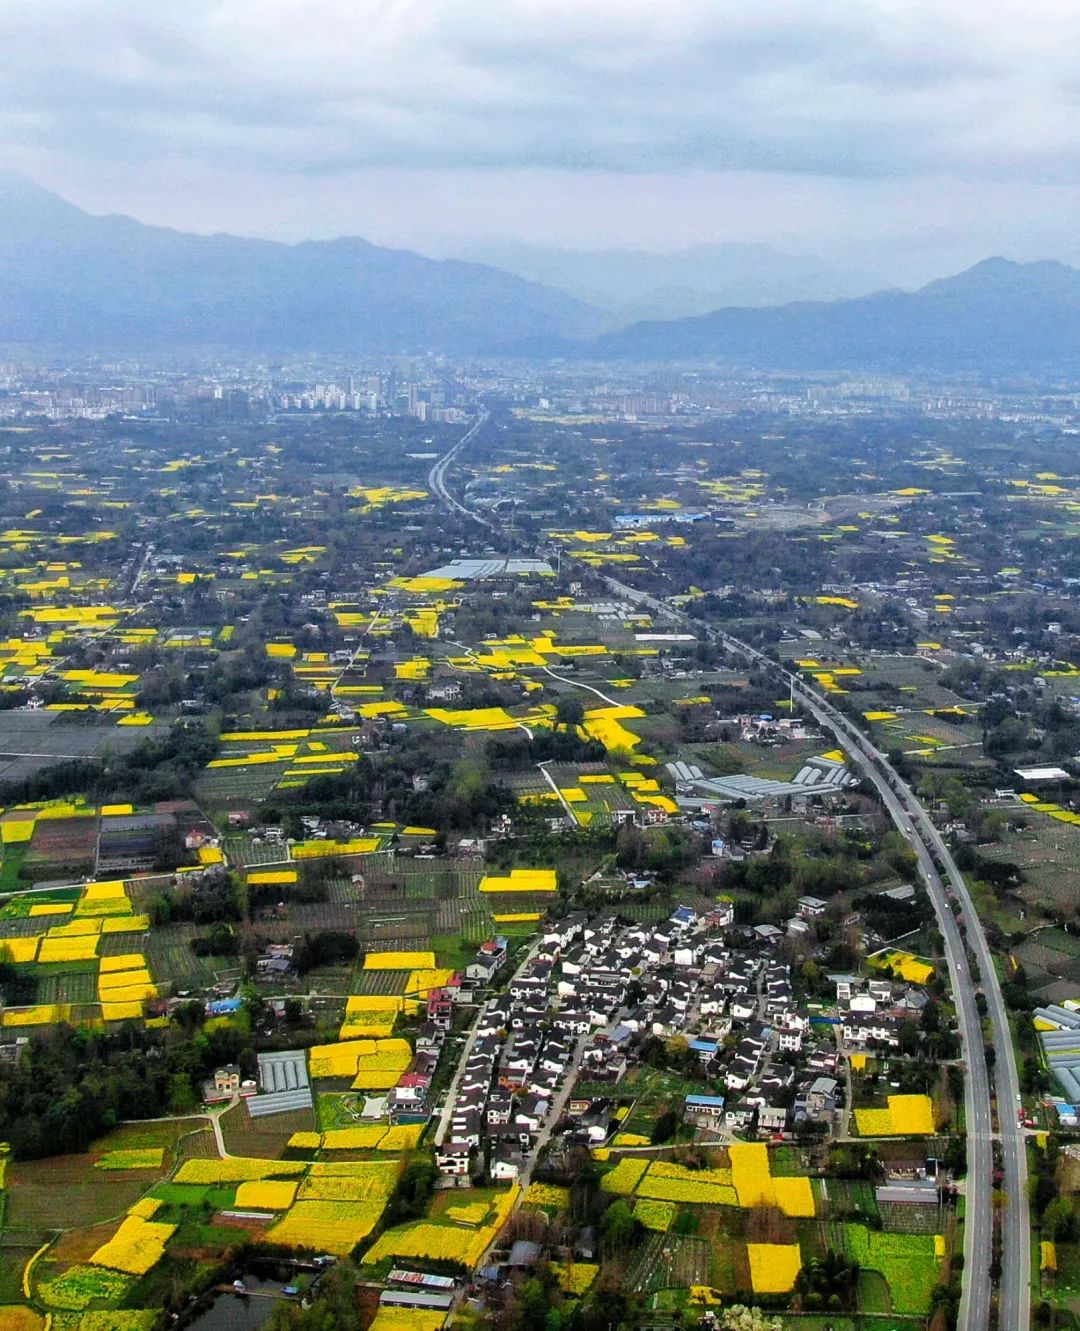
(837, 87)
(157, 106)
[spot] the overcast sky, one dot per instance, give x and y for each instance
(948, 128)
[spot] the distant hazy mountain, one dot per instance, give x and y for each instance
(636, 284)
(998, 316)
(72, 281)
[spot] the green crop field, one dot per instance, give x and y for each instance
(905, 1261)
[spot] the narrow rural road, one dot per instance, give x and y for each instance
(558, 1105)
(577, 684)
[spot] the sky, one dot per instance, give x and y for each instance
(926, 134)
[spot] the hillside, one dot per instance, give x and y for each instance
(996, 316)
(70, 281)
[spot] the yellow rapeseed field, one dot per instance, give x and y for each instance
(603, 724)
(129, 961)
(266, 1195)
(624, 1178)
(376, 1064)
(399, 961)
(117, 979)
(774, 1266)
(40, 1014)
(371, 1003)
(407, 1319)
(135, 1247)
(655, 1215)
(334, 1227)
(430, 1239)
(365, 1136)
(402, 1137)
(419, 985)
(236, 1169)
(906, 1116)
(369, 1025)
(434, 1239)
(370, 1015)
(629, 1139)
(126, 924)
(349, 1181)
(104, 891)
(13, 833)
(68, 949)
(547, 1194)
(905, 964)
(313, 850)
(146, 1207)
(520, 880)
(146, 1157)
(380, 1068)
(576, 1277)
(131, 993)
(471, 1213)
(669, 1182)
(755, 1185)
(21, 950)
(75, 929)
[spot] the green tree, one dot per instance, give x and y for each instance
(618, 1228)
(181, 1096)
(569, 712)
(1059, 1220)
(665, 1127)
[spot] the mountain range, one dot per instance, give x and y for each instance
(997, 316)
(72, 282)
(637, 284)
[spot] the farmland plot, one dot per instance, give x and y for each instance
(316, 916)
(262, 1138)
(1048, 854)
(62, 846)
(243, 851)
(30, 741)
(668, 1261)
(67, 1191)
(380, 982)
(67, 987)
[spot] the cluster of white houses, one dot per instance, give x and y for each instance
(592, 991)
(871, 1011)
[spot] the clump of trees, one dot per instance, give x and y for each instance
(162, 767)
(828, 1282)
(70, 1085)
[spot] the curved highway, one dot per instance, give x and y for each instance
(1014, 1294)
(437, 475)
(930, 849)
(977, 1296)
